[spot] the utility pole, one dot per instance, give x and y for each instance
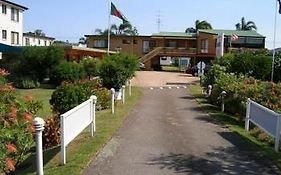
(159, 22)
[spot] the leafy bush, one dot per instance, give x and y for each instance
(16, 128)
(26, 83)
(277, 68)
(115, 70)
(255, 64)
(51, 134)
(39, 61)
(91, 66)
(67, 71)
(69, 95)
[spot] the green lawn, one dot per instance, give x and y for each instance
(266, 150)
(84, 148)
(42, 95)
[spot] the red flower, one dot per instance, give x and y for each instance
(31, 128)
(11, 148)
(13, 113)
(28, 97)
(10, 164)
(27, 117)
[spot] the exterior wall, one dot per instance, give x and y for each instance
(37, 41)
(211, 44)
(9, 25)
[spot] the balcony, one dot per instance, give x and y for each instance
(180, 51)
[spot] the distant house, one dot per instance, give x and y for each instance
(200, 46)
(32, 39)
(11, 23)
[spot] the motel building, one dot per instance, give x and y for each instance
(195, 47)
(11, 25)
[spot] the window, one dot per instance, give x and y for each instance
(39, 41)
(14, 38)
(135, 41)
(27, 41)
(100, 43)
(172, 44)
(4, 9)
(4, 34)
(15, 14)
(204, 46)
(45, 43)
(126, 41)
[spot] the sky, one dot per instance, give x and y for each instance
(72, 19)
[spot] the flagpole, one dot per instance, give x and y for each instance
(274, 42)
(108, 32)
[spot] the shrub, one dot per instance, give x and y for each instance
(16, 128)
(69, 95)
(39, 61)
(26, 83)
(67, 71)
(91, 66)
(277, 68)
(115, 70)
(51, 134)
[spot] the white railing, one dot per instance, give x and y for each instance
(265, 119)
(75, 121)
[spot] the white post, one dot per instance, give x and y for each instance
(210, 87)
(123, 94)
(63, 149)
(93, 114)
(277, 135)
(130, 87)
(112, 99)
(247, 119)
(39, 127)
(222, 100)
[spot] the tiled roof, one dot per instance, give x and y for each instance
(240, 33)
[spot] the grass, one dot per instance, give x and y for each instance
(266, 150)
(42, 95)
(84, 148)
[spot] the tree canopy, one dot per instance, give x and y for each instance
(246, 25)
(199, 25)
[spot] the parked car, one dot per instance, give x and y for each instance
(194, 70)
(141, 66)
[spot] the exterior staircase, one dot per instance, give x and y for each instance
(151, 54)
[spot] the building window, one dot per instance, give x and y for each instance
(204, 46)
(15, 14)
(45, 43)
(126, 41)
(135, 41)
(39, 41)
(14, 38)
(27, 41)
(100, 43)
(4, 34)
(4, 9)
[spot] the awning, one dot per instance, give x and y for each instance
(10, 49)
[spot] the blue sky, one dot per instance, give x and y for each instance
(71, 19)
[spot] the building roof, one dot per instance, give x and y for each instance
(241, 33)
(14, 4)
(174, 34)
(30, 34)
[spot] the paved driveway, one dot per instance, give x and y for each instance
(156, 79)
(168, 133)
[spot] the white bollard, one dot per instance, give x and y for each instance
(123, 94)
(210, 87)
(38, 124)
(223, 94)
(130, 87)
(93, 113)
(112, 99)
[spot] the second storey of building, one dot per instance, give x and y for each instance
(31, 39)
(11, 23)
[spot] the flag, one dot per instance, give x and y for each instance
(117, 13)
(234, 37)
(279, 6)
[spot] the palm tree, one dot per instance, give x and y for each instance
(199, 25)
(123, 29)
(249, 25)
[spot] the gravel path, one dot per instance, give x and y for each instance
(168, 133)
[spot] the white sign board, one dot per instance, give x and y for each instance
(75, 121)
(220, 45)
(201, 67)
(265, 119)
